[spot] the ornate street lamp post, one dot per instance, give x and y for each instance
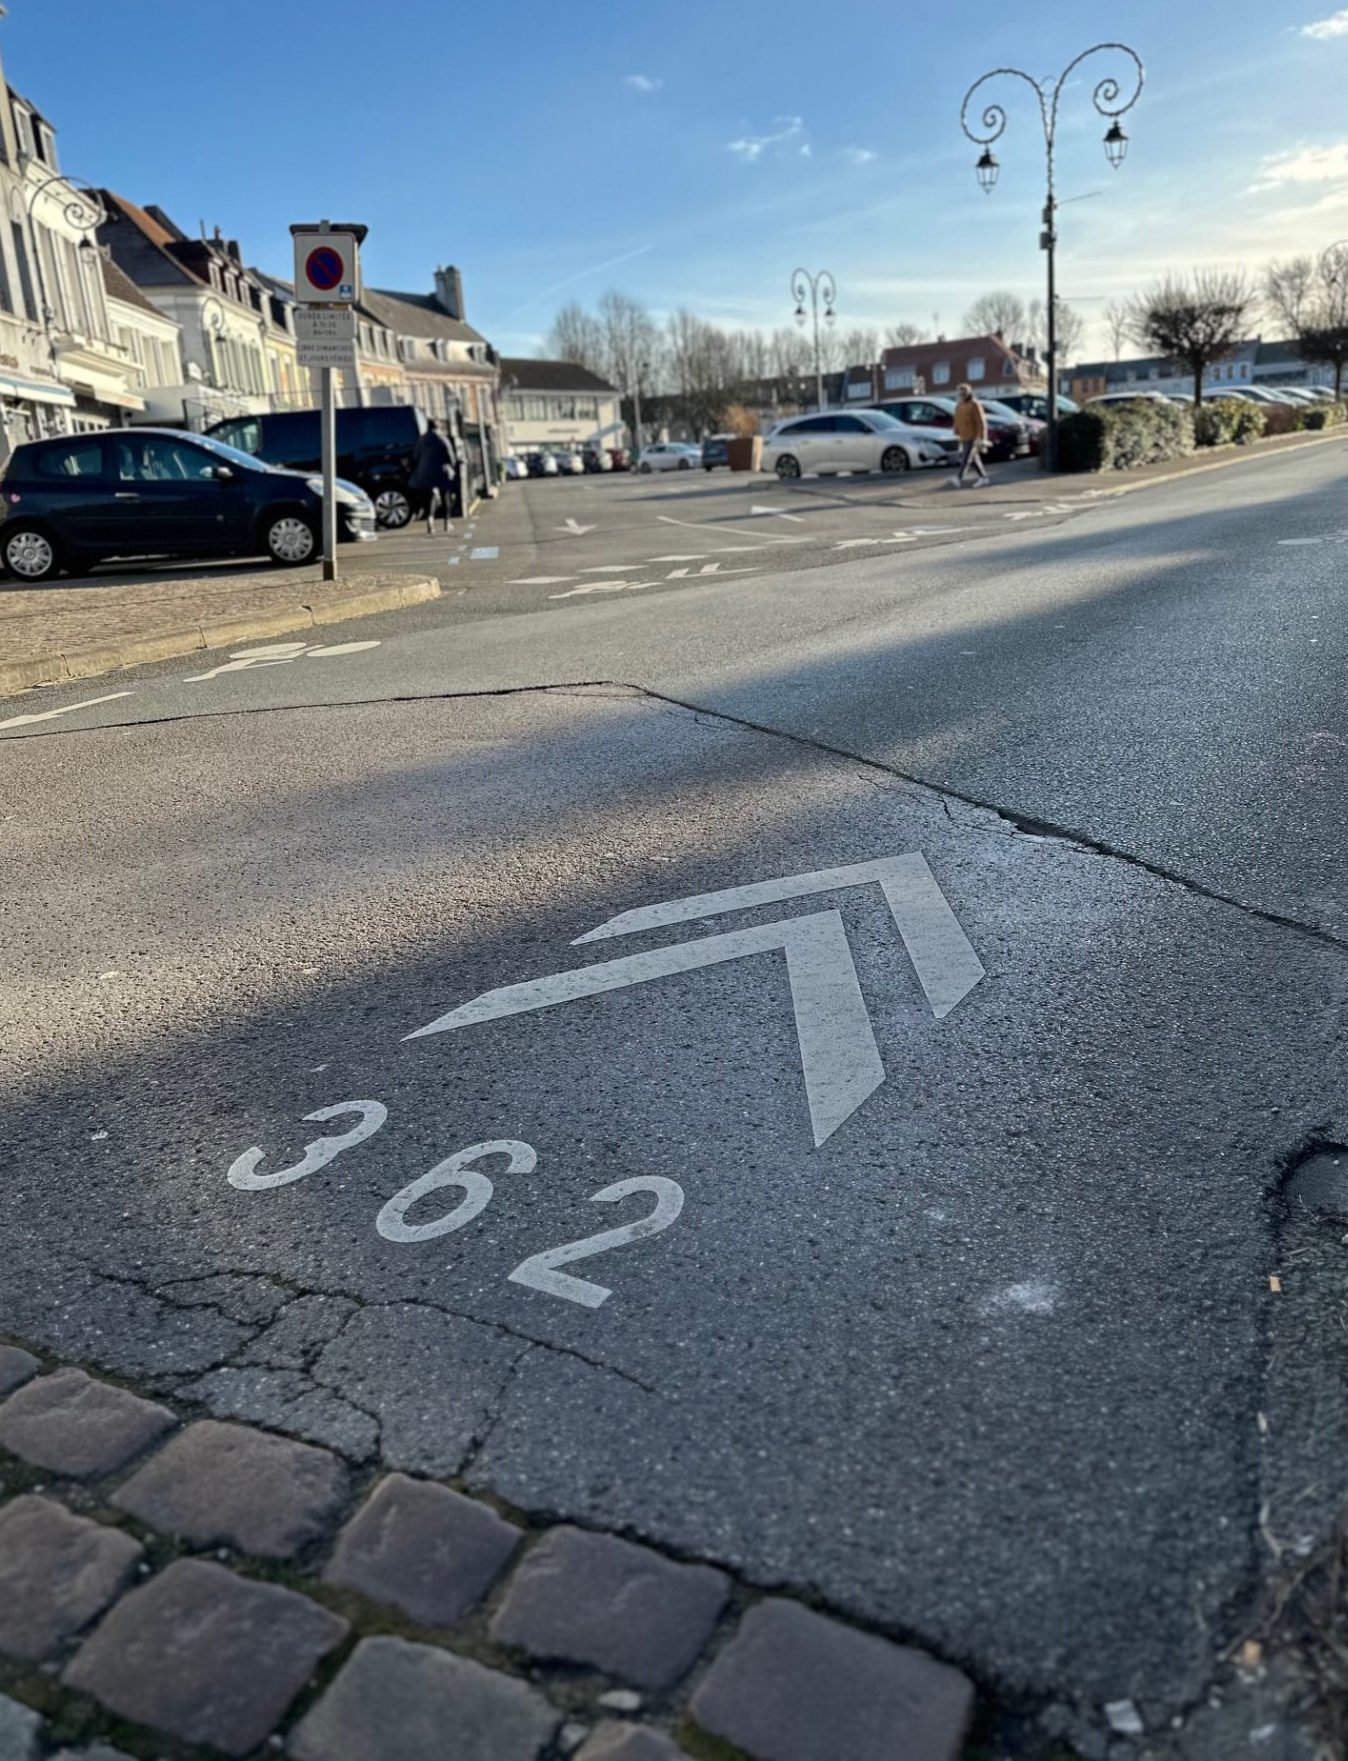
(83, 208)
(815, 287)
(1110, 100)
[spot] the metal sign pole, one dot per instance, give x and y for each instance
(329, 423)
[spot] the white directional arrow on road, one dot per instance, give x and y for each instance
(708, 569)
(574, 529)
(839, 1058)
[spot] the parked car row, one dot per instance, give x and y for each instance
(1295, 396)
(566, 461)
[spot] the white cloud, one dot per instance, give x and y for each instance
(860, 155)
(807, 151)
(752, 147)
(1303, 165)
(1336, 25)
(643, 82)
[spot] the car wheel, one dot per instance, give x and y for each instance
(645, 470)
(895, 459)
(684, 465)
(392, 509)
(30, 556)
(706, 468)
(787, 467)
(290, 540)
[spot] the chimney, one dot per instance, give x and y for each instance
(449, 291)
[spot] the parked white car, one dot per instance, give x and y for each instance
(848, 440)
(669, 455)
(516, 468)
(570, 464)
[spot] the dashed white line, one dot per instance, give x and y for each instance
(46, 715)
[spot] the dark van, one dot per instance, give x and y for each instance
(374, 449)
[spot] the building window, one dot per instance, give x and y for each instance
(25, 270)
(940, 373)
(898, 378)
(977, 367)
(6, 292)
(23, 125)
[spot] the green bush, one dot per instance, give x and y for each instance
(1326, 416)
(1217, 422)
(1085, 440)
(1122, 436)
(1252, 421)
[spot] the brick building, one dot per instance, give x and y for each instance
(992, 367)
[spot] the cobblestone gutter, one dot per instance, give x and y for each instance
(181, 1587)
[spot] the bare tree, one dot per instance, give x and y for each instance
(792, 352)
(858, 348)
(1197, 319)
(1117, 322)
(1071, 330)
(902, 336)
(1309, 298)
(999, 313)
(702, 368)
(631, 341)
(576, 335)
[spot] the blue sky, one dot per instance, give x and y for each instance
(694, 154)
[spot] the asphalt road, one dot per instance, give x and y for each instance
(955, 1305)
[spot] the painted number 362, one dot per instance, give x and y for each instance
(540, 1270)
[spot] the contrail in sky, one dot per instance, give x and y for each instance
(594, 269)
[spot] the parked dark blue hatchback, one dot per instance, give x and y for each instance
(132, 492)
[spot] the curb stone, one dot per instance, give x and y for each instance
(269, 1651)
(83, 663)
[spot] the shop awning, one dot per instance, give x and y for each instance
(37, 391)
(103, 393)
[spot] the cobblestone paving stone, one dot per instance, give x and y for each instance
(400, 1701)
(206, 1655)
(796, 1686)
(18, 1731)
(198, 1654)
(73, 1425)
(16, 1367)
(424, 1549)
(228, 1483)
(592, 1599)
(628, 1742)
(57, 1572)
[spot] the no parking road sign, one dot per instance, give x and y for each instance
(327, 263)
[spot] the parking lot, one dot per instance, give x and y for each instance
(561, 541)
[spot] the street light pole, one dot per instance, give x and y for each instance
(1106, 99)
(84, 209)
(816, 287)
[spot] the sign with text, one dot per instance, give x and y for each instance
(326, 338)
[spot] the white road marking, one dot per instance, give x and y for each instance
(776, 514)
(695, 558)
(838, 1054)
(946, 965)
(540, 1269)
(541, 580)
(702, 526)
(707, 569)
(337, 648)
(46, 715)
(860, 543)
(485, 554)
(574, 529)
(279, 654)
(607, 568)
(604, 587)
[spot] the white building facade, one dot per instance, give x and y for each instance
(554, 405)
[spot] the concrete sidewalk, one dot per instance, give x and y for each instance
(49, 634)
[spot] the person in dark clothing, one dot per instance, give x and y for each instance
(433, 471)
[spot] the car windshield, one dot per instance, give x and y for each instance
(230, 455)
(881, 419)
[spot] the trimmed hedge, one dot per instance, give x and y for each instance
(1119, 438)
(1326, 416)
(1228, 421)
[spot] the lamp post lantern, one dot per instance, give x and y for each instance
(1112, 99)
(83, 208)
(815, 288)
